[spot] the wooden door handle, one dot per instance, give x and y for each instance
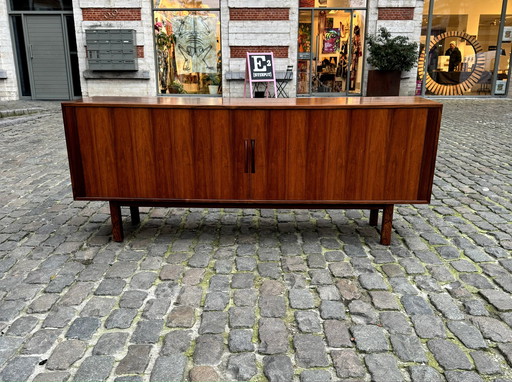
(247, 155)
(250, 163)
(253, 156)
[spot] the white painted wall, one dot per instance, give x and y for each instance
(9, 85)
(144, 36)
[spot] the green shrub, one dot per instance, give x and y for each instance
(386, 53)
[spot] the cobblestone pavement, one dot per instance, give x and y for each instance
(236, 295)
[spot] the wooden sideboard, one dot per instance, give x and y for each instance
(314, 153)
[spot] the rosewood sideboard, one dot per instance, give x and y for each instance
(369, 153)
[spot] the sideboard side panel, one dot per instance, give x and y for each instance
(74, 154)
(430, 153)
(96, 135)
(405, 154)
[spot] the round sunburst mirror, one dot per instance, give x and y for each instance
(453, 83)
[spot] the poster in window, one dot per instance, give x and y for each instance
(331, 41)
(304, 40)
(507, 34)
(196, 43)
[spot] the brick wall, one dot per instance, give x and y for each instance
(257, 26)
(118, 14)
(259, 14)
(396, 13)
(240, 51)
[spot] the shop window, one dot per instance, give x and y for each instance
(187, 41)
(462, 55)
(332, 3)
(330, 51)
(41, 5)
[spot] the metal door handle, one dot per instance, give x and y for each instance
(30, 51)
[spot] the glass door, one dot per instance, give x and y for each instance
(330, 44)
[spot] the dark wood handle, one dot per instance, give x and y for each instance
(253, 156)
(247, 156)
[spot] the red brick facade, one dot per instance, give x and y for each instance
(240, 51)
(113, 14)
(396, 13)
(244, 14)
(140, 51)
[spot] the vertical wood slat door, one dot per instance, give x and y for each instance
(47, 53)
(336, 155)
(134, 153)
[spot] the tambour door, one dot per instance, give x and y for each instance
(133, 153)
(336, 155)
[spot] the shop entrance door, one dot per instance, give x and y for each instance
(330, 50)
(47, 55)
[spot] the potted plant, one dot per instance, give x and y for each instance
(390, 57)
(213, 80)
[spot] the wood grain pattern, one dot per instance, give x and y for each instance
(336, 153)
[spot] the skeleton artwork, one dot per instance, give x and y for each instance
(195, 44)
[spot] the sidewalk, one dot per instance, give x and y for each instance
(259, 295)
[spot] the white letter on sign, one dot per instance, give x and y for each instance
(259, 63)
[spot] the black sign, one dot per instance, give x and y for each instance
(261, 66)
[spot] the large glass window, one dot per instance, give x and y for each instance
(461, 50)
(187, 41)
(330, 47)
(41, 5)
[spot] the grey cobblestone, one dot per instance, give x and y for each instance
(176, 341)
(310, 351)
(110, 343)
(120, 318)
(278, 368)
(485, 363)
(66, 354)
(347, 364)
(83, 328)
(22, 326)
(273, 336)
(136, 361)
(467, 334)
(423, 373)
(449, 355)
(147, 332)
(370, 338)
(94, 368)
(436, 299)
(209, 349)
(41, 341)
(18, 369)
(383, 368)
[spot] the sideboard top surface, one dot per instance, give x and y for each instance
(258, 103)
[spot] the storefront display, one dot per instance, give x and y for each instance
(188, 47)
(330, 50)
(466, 48)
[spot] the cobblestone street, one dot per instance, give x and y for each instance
(257, 295)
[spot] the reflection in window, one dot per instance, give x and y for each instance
(466, 24)
(41, 5)
(188, 47)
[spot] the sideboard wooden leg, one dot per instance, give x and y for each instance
(134, 213)
(117, 222)
(387, 222)
(374, 216)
